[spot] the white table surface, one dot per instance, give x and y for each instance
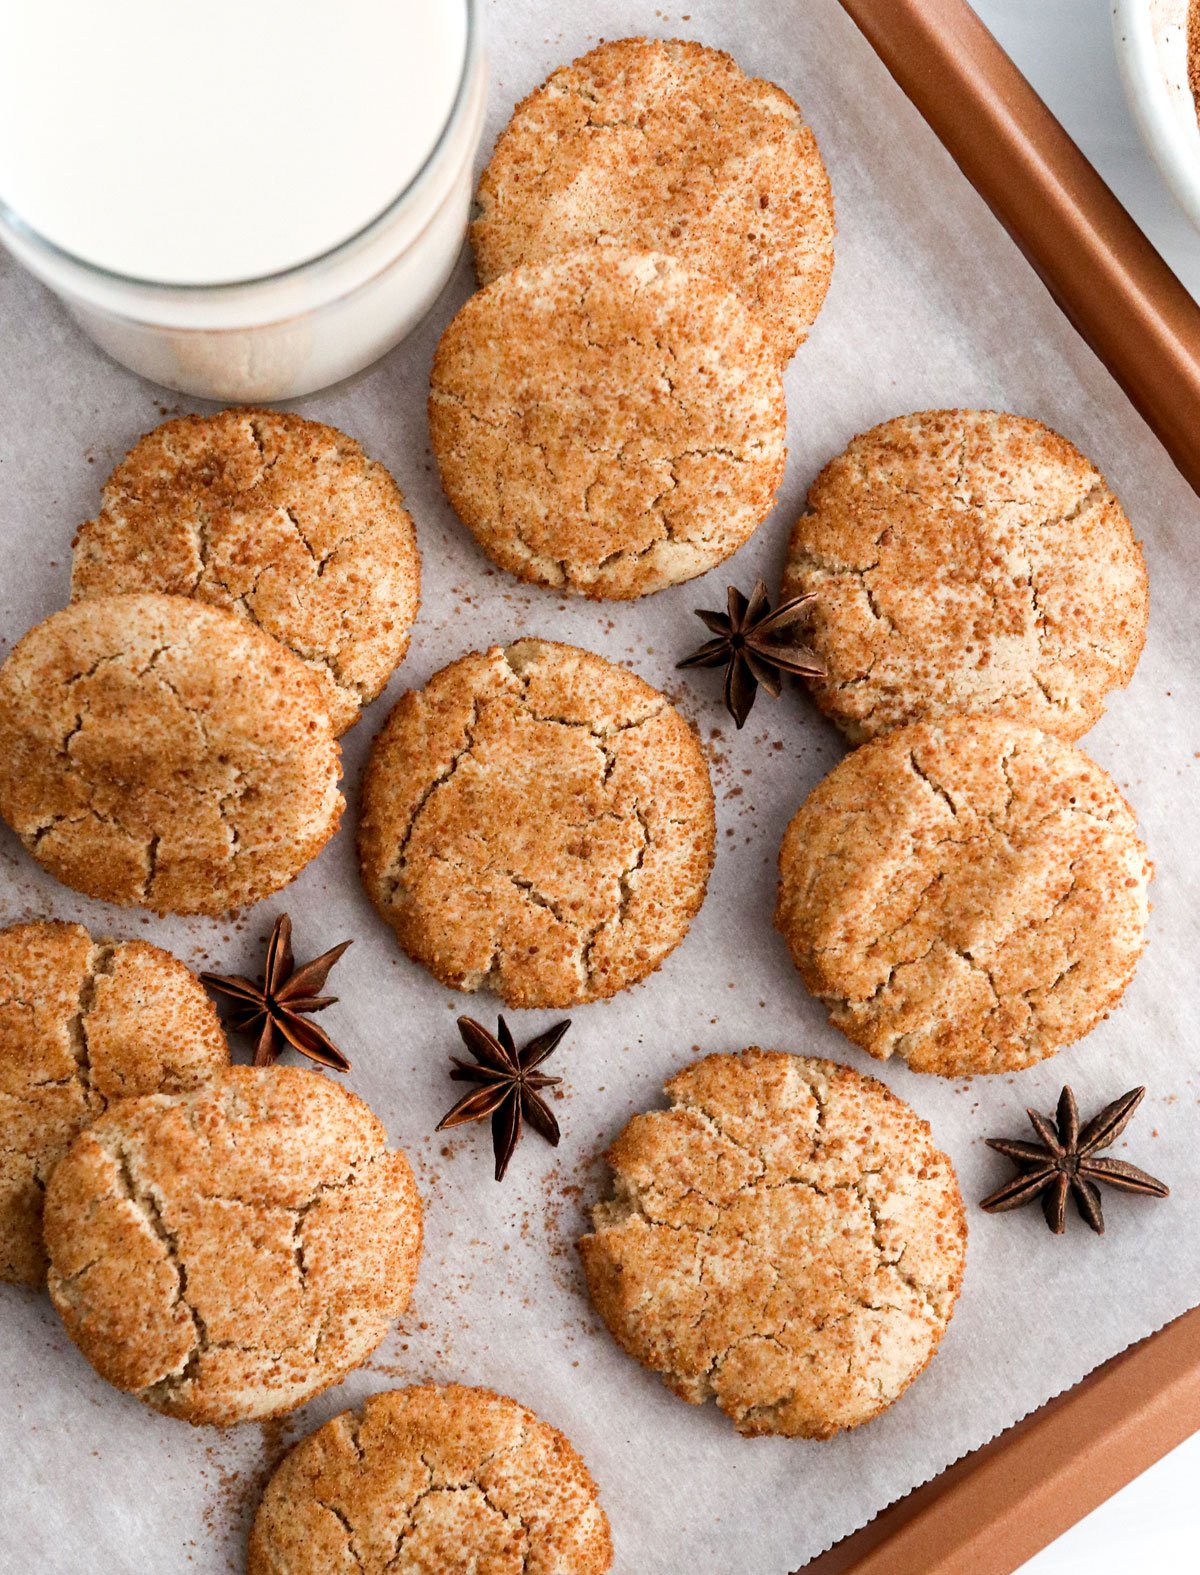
(1065, 48)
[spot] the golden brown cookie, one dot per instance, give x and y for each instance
(607, 422)
(83, 1022)
(967, 560)
(226, 1254)
(970, 895)
(537, 822)
(157, 751)
(785, 1239)
(282, 520)
(664, 145)
(435, 1480)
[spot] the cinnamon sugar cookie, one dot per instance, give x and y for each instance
(82, 1023)
(537, 822)
(785, 1239)
(967, 560)
(157, 751)
(463, 1481)
(282, 520)
(664, 145)
(226, 1254)
(970, 895)
(607, 422)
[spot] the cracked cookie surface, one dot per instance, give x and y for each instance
(281, 520)
(537, 822)
(433, 1480)
(607, 422)
(226, 1254)
(156, 751)
(970, 895)
(83, 1022)
(785, 1239)
(967, 560)
(664, 145)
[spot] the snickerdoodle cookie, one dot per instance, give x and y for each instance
(607, 422)
(154, 750)
(537, 822)
(225, 1254)
(664, 145)
(282, 520)
(785, 1239)
(435, 1480)
(967, 560)
(83, 1022)
(969, 894)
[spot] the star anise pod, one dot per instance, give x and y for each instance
(756, 646)
(510, 1086)
(1065, 1162)
(278, 1008)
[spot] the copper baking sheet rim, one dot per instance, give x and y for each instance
(1099, 267)
(997, 1507)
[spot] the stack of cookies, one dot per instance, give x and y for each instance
(967, 890)
(170, 738)
(221, 1241)
(654, 241)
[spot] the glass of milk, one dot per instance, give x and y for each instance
(245, 200)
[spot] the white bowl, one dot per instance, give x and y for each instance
(1151, 43)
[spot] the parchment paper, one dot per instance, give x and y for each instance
(930, 305)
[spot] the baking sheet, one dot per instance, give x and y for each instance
(930, 305)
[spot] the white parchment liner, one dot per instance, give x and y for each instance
(931, 305)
